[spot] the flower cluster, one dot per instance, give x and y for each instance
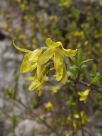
(39, 59)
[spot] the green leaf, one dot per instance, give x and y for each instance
(75, 13)
(95, 76)
(86, 61)
(96, 79)
(94, 70)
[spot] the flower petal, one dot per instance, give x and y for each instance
(69, 52)
(29, 78)
(34, 85)
(51, 43)
(44, 57)
(41, 71)
(26, 67)
(84, 95)
(64, 77)
(29, 62)
(58, 64)
(20, 49)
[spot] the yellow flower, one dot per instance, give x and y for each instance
(57, 52)
(84, 95)
(55, 89)
(37, 61)
(84, 117)
(29, 62)
(49, 106)
(36, 84)
(76, 115)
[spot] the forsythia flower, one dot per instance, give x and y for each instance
(84, 95)
(57, 51)
(84, 117)
(38, 61)
(29, 62)
(49, 106)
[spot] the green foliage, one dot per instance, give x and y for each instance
(14, 120)
(79, 64)
(96, 77)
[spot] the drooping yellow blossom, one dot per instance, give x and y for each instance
(57, 52)
(84, 95)
(29, 62)
(38, 61)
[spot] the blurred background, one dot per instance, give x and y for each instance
(77, 24)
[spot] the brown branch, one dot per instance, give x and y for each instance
(92, 86)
